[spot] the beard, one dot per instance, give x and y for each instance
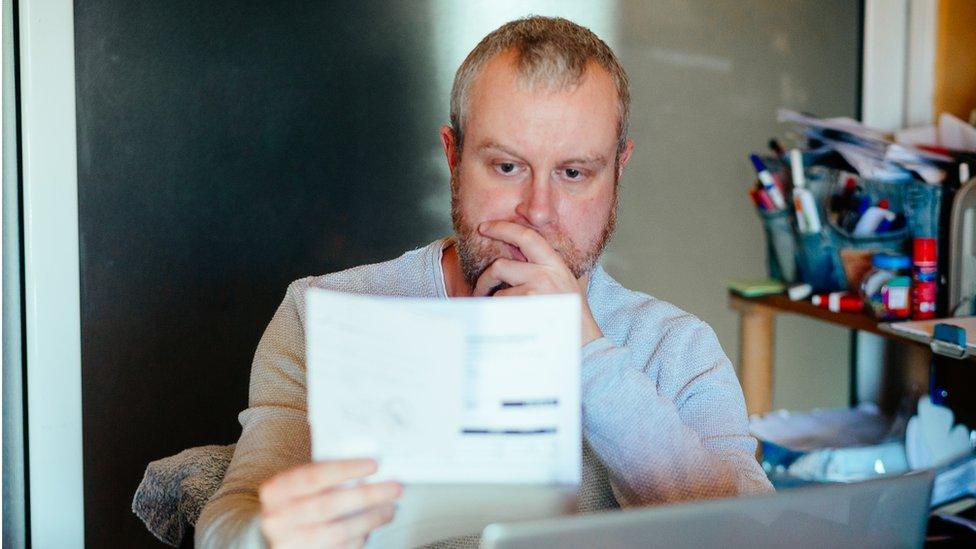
(476, 252)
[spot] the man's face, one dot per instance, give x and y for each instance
(542, 159)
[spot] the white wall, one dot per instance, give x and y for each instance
(706, 79)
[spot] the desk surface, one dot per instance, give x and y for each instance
(756, 321)
(756, 326)
(855, 321)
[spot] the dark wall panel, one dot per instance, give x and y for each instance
(225, 149)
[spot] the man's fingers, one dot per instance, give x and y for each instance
(341, 532)
(505, 270)
(532, 244)
(512, 292)
(333, 504)
(363, 523)
(311, 478)
(354, 544)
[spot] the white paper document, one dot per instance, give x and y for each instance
(474, 404)
(477, 390)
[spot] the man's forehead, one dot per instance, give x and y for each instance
(579, 122)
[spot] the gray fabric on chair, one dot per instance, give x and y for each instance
(174, 490)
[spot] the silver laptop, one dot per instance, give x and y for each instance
(886, 512)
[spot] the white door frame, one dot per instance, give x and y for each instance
(51, 268)
(899, 60)
(898, 78)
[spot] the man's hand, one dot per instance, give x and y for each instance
(309, 505)
(543, 272)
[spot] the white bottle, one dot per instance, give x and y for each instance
(807, 218)
(871, 219)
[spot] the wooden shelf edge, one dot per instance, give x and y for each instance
(779, 303)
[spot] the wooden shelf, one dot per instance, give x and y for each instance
(782, 304)
(757, 317)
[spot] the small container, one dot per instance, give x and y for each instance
(925, 276)
(886, 288)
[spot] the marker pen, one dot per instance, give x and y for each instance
(802, 224)
(764, 201)
(801, 220)
(754, 195)
(783, 180)
(807, 217)
(768, 183)
(838, 302)
(842, 201)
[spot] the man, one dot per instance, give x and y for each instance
(536, 146)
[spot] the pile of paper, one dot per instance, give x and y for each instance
(878, 155)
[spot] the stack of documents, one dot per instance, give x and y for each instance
(870, 151)
(451, 397)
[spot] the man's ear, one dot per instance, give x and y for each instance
(451, 151)
(624, 157)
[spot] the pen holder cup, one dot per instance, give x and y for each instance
(780, 245)
(819, 263)
(915, 200)
(855, 252)
(922, 208)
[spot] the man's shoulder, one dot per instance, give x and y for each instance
(669, 344)
(630, 313)
(409, 275)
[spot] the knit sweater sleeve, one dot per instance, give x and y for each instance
(678, 435)
(275, 434)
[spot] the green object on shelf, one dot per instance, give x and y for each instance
(756, 288)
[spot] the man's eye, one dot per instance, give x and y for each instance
(572, 173)
(505, 167)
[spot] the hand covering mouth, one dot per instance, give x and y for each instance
(516, 253)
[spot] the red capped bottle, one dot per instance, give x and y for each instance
(925, 275)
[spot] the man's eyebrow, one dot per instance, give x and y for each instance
(491, 145)
(597, 160)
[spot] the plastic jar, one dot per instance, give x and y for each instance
(886, 288)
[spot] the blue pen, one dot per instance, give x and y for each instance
(768, 184)
(863, 205)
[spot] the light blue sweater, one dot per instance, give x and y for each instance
(663, 415)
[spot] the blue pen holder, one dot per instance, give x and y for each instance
(916, 200)
(819, 262)
(817, 256)
(780, 245)
(834, 259)
(922, 207)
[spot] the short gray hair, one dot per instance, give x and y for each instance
(552, 52)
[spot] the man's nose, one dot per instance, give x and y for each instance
(537, 204)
